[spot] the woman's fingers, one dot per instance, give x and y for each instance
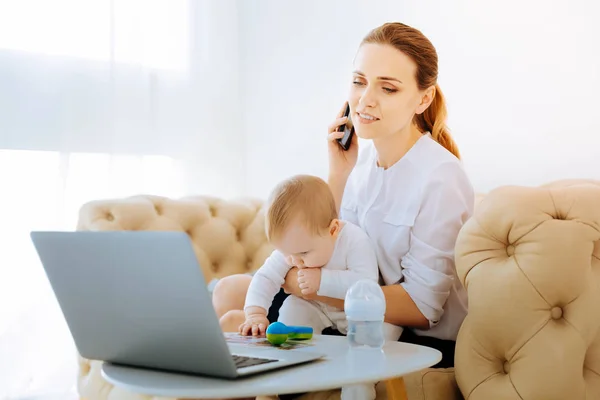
(335, 136)
(343, 109)
(336, 124)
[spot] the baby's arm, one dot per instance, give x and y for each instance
(361, 264)
(264, 286)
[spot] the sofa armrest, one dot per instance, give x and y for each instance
(530, 260)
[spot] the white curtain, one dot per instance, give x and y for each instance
(101, 99)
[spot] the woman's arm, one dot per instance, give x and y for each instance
(429, 273)
(291, 286)
(337, 183)
(337, 303)
(400, 309)
(341, 162)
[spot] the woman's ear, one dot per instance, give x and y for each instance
(426, 99)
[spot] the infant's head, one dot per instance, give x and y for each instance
(302, 220)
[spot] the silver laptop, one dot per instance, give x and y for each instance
(139, 298)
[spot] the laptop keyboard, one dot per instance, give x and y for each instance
(243, 361)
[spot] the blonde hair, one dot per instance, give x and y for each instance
(302, 198)
(415, 45)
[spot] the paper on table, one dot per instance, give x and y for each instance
(261, 341)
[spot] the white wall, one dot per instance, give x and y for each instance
(521, 79)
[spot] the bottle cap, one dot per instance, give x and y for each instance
(365, 302)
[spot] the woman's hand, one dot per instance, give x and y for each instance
(291, 285)
(341, 162)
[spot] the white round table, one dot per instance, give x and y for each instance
(341, 366)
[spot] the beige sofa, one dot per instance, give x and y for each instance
(530, 259)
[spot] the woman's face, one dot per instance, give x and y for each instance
(384, 96)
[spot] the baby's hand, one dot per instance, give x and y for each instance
(309, 280)
(255, 324)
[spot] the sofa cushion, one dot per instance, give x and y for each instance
(530, 260)
(228, 236)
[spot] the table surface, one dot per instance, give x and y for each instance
(341, 366)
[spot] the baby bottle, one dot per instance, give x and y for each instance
(365, 308)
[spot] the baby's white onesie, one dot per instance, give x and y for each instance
(353, 259)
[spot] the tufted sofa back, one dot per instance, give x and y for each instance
(530, 260)
(228, 236)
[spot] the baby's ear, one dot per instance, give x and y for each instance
(334, 227)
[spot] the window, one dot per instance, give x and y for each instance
(151, 33)
(44, 190)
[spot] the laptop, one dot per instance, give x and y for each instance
(139, 299)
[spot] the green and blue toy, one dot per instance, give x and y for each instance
(278, 333)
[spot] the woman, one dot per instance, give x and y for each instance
(407, 190)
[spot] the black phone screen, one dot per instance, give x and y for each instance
(348, 129)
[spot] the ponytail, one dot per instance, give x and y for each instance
(433, 120)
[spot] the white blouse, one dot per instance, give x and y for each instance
(413, 212)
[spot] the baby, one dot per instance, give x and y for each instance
(303, 226)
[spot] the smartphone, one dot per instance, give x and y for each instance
(348, 129)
